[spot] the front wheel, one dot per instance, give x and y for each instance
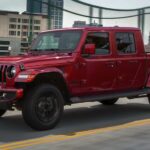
(2, 112)
(109, 102)
(43, 107)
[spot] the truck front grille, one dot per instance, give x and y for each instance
(3, 69)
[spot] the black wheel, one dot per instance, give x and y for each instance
(109, 102)
(2, 112)
(148, 98)
(43, 107)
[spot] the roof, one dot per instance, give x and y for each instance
(109, 28)
(34, 14)
(5, 12)
(99, 28)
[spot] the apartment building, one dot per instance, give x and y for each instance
(16, 29)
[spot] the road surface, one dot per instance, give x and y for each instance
(89, 126)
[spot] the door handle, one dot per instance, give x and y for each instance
(110, 64)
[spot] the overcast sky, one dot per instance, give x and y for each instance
(20, 5)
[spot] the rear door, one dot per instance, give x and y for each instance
(131, 61)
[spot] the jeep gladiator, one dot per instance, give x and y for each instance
(74, 65)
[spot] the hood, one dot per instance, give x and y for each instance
(36, 61)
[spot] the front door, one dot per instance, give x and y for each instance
(98, 71)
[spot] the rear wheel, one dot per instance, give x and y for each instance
(148, 98)
(2, 112)
(43, 107)
(109, 102)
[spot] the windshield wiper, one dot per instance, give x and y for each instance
(52, 49)
(34, 50)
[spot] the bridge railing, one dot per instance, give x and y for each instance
(76, 10)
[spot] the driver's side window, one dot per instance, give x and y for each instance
(101, 41)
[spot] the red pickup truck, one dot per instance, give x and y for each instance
(74, 65)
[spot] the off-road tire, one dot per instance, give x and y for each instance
(42, 101)
(148, 98)
(2, 112)
(109, 102)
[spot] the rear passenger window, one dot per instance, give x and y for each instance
(125, 43)
(101, 41)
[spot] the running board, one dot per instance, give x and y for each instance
(109, 96)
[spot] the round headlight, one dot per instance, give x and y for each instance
(11, 71)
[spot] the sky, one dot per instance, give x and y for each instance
(20, 5)
(123, 4)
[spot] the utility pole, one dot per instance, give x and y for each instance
(141, 20)
(100, 16)
(49, 14)
(90, 14)
(31, 22)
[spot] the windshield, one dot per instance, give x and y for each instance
(57, 41)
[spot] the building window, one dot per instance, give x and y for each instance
(3, 48)
(25, 20)
(125, 43)
(24, 33)
(36, 33)
(12, 26)
(18, 33)
(24, 27)
(19, 20)
(37, 22)
(13, 20)
(18, 26)
(24, 39)
(56, 22)
(12, 33)
(4, 42)
(36, 27)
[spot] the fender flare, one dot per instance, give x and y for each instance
(29, 75)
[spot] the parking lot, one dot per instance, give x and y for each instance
(89, 126)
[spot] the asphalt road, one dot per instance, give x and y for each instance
(90, 126)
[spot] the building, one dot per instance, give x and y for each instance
(149, 39)
(45, 7)
(16, 29)
(9, 46)
(79, 24)
(147, 47)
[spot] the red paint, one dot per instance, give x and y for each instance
(91, 74)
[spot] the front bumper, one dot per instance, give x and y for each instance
(9, 96)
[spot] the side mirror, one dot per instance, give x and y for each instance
(89, 49)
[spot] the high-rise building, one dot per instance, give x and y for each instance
(55, 15)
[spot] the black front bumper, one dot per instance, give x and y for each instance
(9, 96)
